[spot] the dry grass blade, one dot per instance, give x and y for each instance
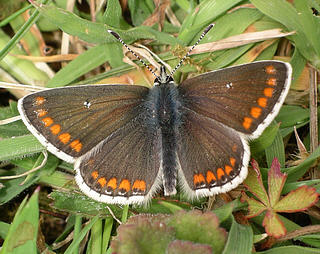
(48, 59)
(239, 40)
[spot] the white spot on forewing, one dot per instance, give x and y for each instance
(87, 104)
(229, 85)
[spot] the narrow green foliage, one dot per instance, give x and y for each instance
(22, 234)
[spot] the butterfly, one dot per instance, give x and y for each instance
(128, 141)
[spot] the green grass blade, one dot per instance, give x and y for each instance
(22, 235)
(240, 239)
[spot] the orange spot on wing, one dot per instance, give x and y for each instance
(232, 161)
(262, 102)
(47, 121)
(125, 185)
(39, 100)
(139, 185)
(268, 92)
(270, 69)
(55, 129)
(41, 112)
(255, 112)
(102, 181)
(112, 183)
(247, 121)
(95, 175)
(76, 145)
(228, 169)
(234, 148)
(198, 179)
(271, 81)
(210, 177)
(64, 137)
(220, 173)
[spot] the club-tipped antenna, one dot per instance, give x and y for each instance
(194, 45)
(117, 36)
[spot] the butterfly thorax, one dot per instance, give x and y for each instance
(163, 105)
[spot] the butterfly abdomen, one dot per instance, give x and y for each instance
(163, 107)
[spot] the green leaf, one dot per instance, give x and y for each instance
(143, 234)
(273, 225)
(97, 32)
(96, 238)
(113, 15)
(313, 240)
(77, 203)
(290, 116)
(294, 173)
(291, 250)
(17, 37)
(298, 62)
(75, 243)
(171, 206)
(294, 185)
(203, 15)
(225, 211)
(300, 20)
(30, 41)
(13, 129)
(255, 207)
(297, 200)
(4, 229)
(17, 147)
(276, 181)
(276, 150)
(15, 186)
(240, 239)
(230, 24)
(254, 183)
(23, 70)
(311, 27)
(108, 225)
(140, 10)
(199, 227)
(85, 62)
(265, 140)
(22, 235)
(183, 247)
(162, 206)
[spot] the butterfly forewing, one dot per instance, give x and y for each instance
(71, 121)
(245, 97)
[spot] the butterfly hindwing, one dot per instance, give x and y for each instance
(245, 98)
(124, 168)
(213, 158)
(71, 121)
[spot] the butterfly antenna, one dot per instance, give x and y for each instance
(194, 45)
(117, 36)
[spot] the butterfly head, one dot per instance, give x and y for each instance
(163, 78)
